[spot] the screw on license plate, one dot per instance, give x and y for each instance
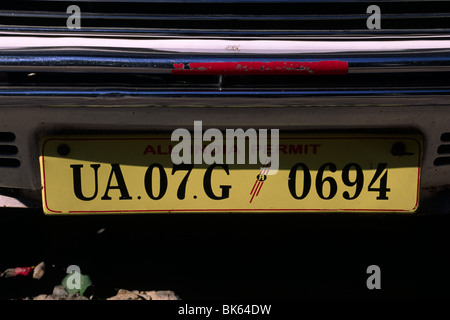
(63, 149)
(399, 149)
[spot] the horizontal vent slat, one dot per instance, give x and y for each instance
(7, 136)
(141, 81)
(8, 150)
(442, 161)
(445, 137)
(11, 163)
(90, 15)
(444, 149)
(342, 16)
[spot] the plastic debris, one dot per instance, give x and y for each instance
(76, 283)
(19, 271)
(39, 271)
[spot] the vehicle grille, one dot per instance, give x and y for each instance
(251, 18)
(125, 48)
(443, 151)
(8, 151)
(135, 82)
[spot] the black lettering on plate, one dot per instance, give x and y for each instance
(115, 170)
(162, 181)
(77, 181)
(207, 183)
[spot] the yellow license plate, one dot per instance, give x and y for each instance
(317, 173)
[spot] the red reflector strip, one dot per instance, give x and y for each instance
(262, 68)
